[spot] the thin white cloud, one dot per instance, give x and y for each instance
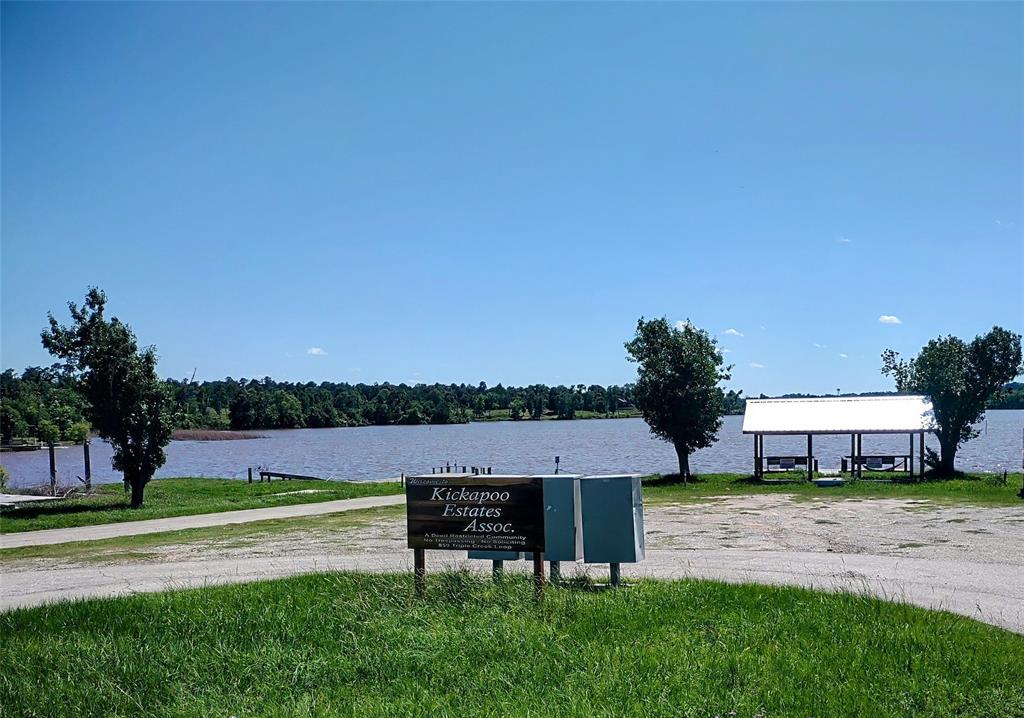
(755, 365)
(889, 319)
(733, 332)
(844, 240)
(843, 356)
(819, 346)
(726, 350)
(316, 352)
(682, 324)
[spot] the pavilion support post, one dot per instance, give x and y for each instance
(760, 445)
(921, 454)
(757, 457)
(853, 453)
(860, 450)
(910, 465)
(810, 458)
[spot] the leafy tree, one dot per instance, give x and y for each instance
(516, 410)
(242, 410)
(1011, 397)
(285, 411)
(128, 405)
(959, 379)
(734, 402)
(11, 421)
(79, 432)
(677, 388)
(49, 432)
(413, 415)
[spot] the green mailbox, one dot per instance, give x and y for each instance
(563, 537)
(613, 519)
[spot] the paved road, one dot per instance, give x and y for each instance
(987, 592)
(177, 523)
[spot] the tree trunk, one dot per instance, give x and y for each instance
(684, 462)
(947, 456)
(138, 486)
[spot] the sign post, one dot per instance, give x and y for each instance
(419, 558)
(475, 512)
(538, 575)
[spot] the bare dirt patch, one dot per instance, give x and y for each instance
(887, 527)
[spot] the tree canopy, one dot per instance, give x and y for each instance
(960, 379)
(126, 402)
(677, 388)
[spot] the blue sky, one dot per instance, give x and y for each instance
(469, 192)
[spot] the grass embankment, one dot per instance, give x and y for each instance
(361, 645)
(180, 497)
(975, 488)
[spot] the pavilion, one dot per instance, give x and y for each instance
(856, 416)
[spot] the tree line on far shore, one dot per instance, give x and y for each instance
(45, 403)
(269, 404)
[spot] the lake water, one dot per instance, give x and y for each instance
(592, 446)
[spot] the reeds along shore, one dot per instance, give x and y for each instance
(213, 435)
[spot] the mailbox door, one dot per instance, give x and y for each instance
(562, 537)
(638, 518)
(609, 523)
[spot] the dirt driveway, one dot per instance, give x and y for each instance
(966, 559)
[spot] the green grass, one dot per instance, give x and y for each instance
(145, 547)
(361, 645)
(986, 489)
(179, 497)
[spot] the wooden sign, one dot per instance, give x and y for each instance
(485, 513)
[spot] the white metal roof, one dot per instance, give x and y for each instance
(839, 415)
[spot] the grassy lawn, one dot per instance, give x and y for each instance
(973, 488)
(361, 645)
(179, 497)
